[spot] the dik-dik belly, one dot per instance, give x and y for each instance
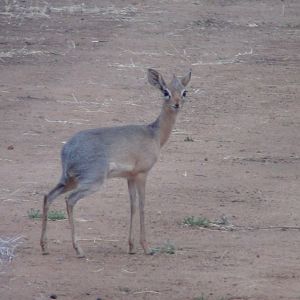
(131, 167)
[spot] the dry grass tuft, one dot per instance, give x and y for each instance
(8, 247)
(44, 9)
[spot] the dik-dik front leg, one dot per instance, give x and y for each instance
(140, 182)
(132, 196)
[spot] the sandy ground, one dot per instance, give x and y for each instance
(66, 66)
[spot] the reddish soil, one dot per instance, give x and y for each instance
(67, 67)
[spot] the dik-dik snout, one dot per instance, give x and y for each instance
(175, 99)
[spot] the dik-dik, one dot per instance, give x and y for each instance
(92, 156)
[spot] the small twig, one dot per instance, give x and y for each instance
(175, 131)
(75, 99)
(142, 53)
(225, 61)
(213, 226)
(73, 44)
(146, 292)
(168, 53)
(245, 53)
(56, 121)
(83, 220)
(30, 133)
(16, 191)
(63, 122)
(97, 240)
(99, 270)
(269, 228)
(94, 111)
(65, 101)
(177, 51)
(221, 62)
(9, 200)
(223, 255)
(131, 65)
(6, 159)
(126, 271)
(131, 103)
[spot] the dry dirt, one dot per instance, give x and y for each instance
(66, 66)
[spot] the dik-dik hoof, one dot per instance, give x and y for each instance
(131, 248)
(149, 251)
(44, 247)
(79, 252)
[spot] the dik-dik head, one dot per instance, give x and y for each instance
(175, 92)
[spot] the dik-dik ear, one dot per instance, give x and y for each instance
(156, 79)
(186, 79)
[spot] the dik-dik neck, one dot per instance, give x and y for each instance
(164, 124)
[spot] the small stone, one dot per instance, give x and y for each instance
(10, 147)
(53, 296)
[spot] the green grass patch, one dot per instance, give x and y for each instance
(34, 214)
(166, 248)
(188, 139)
(196, 221)
(200, 298)
(53, 215)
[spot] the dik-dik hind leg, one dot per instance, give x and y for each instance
(48, 199)
(43, 240)
(132, 196)
(77, 248)
(81, 191)
(141, 189)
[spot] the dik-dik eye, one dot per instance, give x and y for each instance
(184, 93)
(166, 94)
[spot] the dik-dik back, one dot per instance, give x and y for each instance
(111, 152)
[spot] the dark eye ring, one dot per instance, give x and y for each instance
(166, 94)
(184, 93)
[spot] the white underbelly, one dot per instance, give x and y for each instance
(120, 170)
